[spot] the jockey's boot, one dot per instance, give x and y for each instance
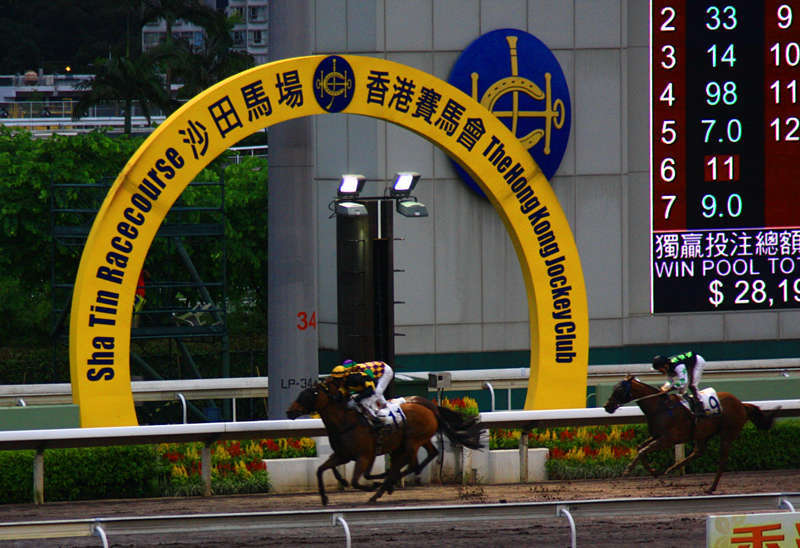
(696, 405)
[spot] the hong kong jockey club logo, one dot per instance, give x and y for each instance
(517, 77)
(333, 83)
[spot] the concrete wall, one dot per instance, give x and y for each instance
(462, 284)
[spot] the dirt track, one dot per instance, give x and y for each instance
(669, 531)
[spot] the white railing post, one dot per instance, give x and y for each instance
(563, 510)
(488, 386)
(183, 406)
(337, 519)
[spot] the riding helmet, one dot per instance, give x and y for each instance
(659, 362)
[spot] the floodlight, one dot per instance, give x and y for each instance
(404, 183)
(350, 209)
(411, 208)
(350, 185)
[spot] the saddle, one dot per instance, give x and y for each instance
(709, 400)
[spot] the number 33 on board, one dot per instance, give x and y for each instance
(304, 321)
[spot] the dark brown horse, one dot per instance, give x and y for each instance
(670, 423)
(353, 438)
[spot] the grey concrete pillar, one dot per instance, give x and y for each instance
(292, 274)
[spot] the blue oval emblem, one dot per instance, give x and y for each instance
(334, 83)
(517, 77)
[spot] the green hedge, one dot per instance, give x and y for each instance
(85, 473)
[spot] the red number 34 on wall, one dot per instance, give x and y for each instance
(304, 321)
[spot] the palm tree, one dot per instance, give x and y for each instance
(128, 80)
(215, 61)
(171, 50)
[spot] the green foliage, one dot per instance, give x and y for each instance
(28, 167)
(146, 470)
(86, 473)
(16, 476)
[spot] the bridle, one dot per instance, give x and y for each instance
(628, 382)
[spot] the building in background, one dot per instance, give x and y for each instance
(250, 34)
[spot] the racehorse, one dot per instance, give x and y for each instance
(670, 422)
(353, 438)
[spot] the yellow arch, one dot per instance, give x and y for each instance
(214, 120)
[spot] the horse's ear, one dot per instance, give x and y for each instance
(629, 376)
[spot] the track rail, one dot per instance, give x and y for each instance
(198, 523)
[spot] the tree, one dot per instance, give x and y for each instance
(128, 80)
(197, 68)
(172, 51)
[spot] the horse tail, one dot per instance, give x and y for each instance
(460, 430)
(763, 420)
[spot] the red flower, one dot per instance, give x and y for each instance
(235, 449)
(620, 451)
(556, 453)
(589, 452)
(256, 465)
(628, 434)
(272, 446)
(600, 437)
(566, 435)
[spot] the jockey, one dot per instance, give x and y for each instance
(367, 382)
(684, 372)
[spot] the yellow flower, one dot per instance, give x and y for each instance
(576, 453)
(178, 471)
(240, 469)
(191, 451)
(605, 452)
(582, 433)
(253, 450)
(221, 453)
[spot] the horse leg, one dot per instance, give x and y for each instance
(370, 476)
(363, 464)
(394, 475)
(699, 449)
(333, 461)
(654, 445)
(432, 452)
(724, 448)
(339, 477)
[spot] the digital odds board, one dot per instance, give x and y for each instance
(725, 155)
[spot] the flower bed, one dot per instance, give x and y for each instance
(466, 406)
(604, 451)
(236, 467)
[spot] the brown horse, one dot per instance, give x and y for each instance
(353, 438)
(670, 423)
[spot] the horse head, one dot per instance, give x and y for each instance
(620, 395)
(306, 402)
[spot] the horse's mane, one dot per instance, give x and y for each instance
(632, 379)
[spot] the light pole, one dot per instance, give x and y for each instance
(365, 264)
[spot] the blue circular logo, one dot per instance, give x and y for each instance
(334, 83)
(517, 77)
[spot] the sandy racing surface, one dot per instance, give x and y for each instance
(620, 531)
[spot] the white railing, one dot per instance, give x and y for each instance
(475, 379)
(207, 433)
(68, 126)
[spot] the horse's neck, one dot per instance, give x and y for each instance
(337, 417)
(640, 391)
